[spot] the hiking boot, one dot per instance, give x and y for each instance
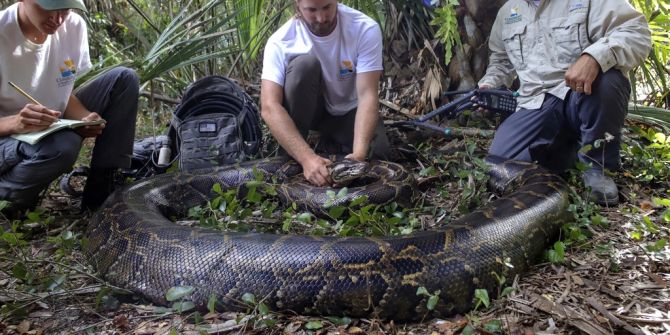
(99, 185)
(604, 191)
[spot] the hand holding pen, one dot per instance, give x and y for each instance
(33, 116)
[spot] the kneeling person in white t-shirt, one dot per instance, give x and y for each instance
(44, 49)
(321, 72)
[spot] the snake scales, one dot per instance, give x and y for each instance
(133, 245)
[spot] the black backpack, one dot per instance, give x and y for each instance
(216, 123)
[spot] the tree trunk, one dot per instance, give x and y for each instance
(468, 65)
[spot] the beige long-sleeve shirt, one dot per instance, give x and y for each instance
(539, 43)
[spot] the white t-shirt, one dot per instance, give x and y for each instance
(355, 46)
(45, 71)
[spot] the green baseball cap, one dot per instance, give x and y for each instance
(62, 4)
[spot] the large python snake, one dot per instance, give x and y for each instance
(133, 244)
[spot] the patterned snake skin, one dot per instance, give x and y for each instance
(133, 244)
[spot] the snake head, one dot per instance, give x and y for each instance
(345, 171)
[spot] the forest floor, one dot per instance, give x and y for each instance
(611, 276)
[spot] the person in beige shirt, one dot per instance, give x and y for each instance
(572, 59)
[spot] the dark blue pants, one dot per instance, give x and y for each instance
(553, 134)
(26, 170)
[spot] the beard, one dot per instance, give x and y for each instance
(322, 29)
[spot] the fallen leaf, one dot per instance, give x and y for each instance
(121, 323)
(449, 327)
(646, 205)
(23, 327)
(292, 327)
(211, 316)
(41, 314)
(658, 279)
(355, 330)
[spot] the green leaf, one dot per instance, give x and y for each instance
(287, 224)
(422, 291)
(4, 204)
(656, 247)
(557, 255)
(254, 183)
(432, 301)
(315, 324)
(263, 309)
(482, 296)
(343, 321)
(19, 271)
(428, 171)
(468, 330)
(270, 190)
(249, 298)
(661, 202)
(560, 249)
(636, 235)
(598, 219)
(211, 303)
(253, 196)
(493, 326)
(304, 217)
(217, 188)
(507, 290)
(178, 292)
(358, 200)
(183, 306)
(342, 192)
(158, 310)
(585, 149)
(336, 211)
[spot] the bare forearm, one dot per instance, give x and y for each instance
(367, 116)
(75, 110)
(6, 126)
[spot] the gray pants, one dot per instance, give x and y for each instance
(303, 99)
(553, 134)
(26, 170)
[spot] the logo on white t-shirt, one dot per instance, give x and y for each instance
(67, 73)
(346, 69)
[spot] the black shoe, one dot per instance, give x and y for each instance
(604, 191)
(99, 185)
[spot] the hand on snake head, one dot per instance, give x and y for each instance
(315, 170)
(344, 171)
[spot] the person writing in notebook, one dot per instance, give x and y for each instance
(44, 49)
(321, 72)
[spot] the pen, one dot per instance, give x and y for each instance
(24, 93)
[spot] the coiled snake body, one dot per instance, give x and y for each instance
(133, 245)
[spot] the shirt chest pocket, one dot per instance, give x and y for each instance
(514, 37)
(569, 36)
